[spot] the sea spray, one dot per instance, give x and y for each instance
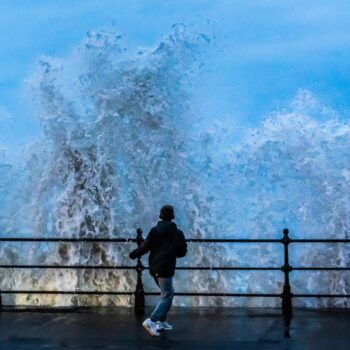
(113, 149)
(291, 171)
(120, 138)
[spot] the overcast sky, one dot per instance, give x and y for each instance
(268, 49)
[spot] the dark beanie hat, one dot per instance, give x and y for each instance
(167, 213)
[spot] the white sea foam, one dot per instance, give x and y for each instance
(119, 140)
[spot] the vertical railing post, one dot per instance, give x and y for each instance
(287, 307)
(139, 292)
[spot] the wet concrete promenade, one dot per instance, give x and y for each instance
(119, 328)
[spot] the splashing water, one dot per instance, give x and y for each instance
(119, 140)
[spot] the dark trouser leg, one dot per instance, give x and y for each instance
(164, 304)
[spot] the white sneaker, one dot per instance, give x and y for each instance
(151, 327)
(164, 326)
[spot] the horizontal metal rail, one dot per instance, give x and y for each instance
(139, 293)
(313, 295)
(268, 295)
(306, 240)
(132, 293)
(188, 268)
(95, 267)
(68, 240)
(190, 294)
(189, 240)
(128, 240)
(91, 292)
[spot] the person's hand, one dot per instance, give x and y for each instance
(132, 255)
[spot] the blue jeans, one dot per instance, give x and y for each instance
(166, 297)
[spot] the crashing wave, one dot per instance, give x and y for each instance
(119, 139)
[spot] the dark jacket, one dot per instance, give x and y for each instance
(165, 243)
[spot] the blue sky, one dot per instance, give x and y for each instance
(266, 50)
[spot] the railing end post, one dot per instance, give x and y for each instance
(139, 292)
(139, 237)
(287, 305)
(286, 239)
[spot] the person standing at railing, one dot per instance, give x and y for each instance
(165, 242)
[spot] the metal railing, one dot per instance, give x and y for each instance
(286, 294)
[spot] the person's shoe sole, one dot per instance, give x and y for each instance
(149, 330)
(164, 329)
(160, 326)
